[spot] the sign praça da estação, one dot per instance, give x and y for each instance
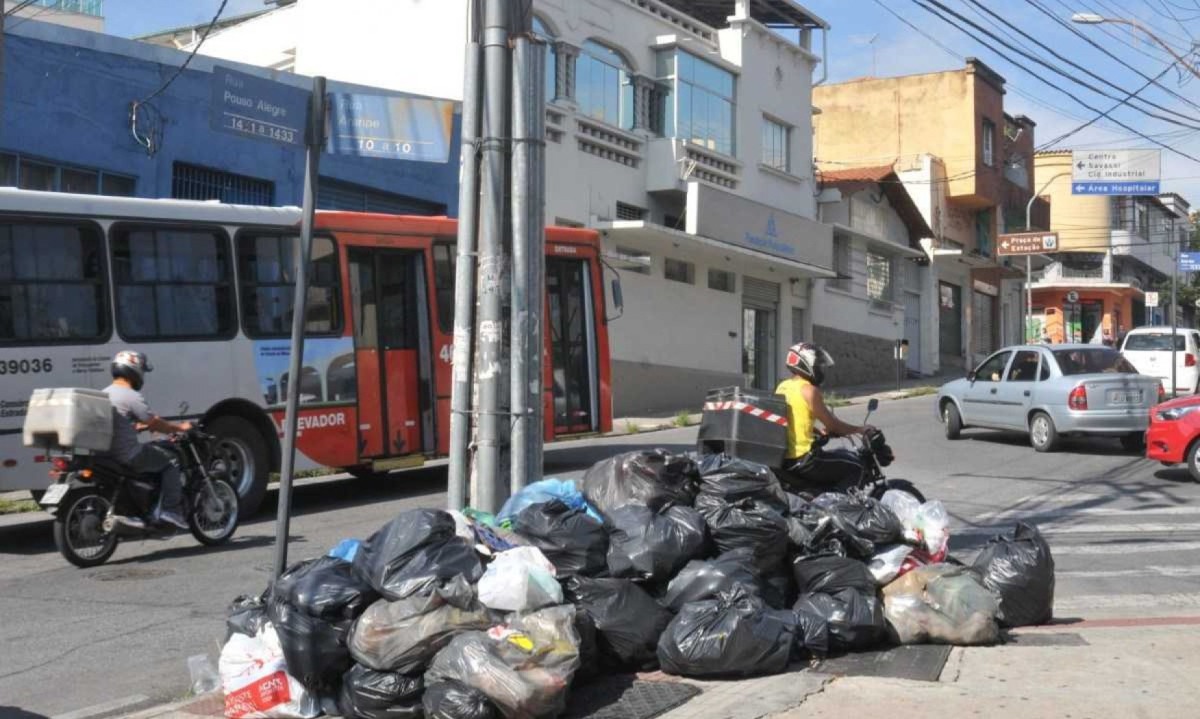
(1116, 172)
(1027, 243)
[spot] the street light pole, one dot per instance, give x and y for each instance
(1028, 260)
(1087, 18)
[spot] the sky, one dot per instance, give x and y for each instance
(867, 39)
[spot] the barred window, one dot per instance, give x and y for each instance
(193, 182)
(879, 277)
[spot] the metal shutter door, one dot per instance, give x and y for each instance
(760, 290)
(982, 323)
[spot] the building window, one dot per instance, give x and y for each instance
(193, 182)
(701, 105)
(172, 284)
(52, 286)
(603, 86)
(879, 277)
(337, 195)
(34, 174)
(775, 145)
(841, 263)
(989, 143)
(722, 280)
(630, 212)
(543, 34)
(679, 271)
(984, 227)
(266, 271)
(1143, 220)
(444, 263)
(633, 260)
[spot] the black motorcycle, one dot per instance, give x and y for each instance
(96, 501)
(874, 454)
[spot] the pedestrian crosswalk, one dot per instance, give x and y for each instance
(1130, 555)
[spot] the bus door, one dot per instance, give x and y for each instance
(571, 338)
(385, 288)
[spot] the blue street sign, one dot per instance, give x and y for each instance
(1115, 188)
(390, 126)
(252, 106)
(1189, 261)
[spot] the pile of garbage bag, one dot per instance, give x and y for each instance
(652, 561)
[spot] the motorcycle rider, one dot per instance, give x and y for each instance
(805, 463)
(131, 415)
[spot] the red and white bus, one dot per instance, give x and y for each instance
(206, 289)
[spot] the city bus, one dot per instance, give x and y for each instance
(206, 291)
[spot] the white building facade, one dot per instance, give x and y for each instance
(682, 131)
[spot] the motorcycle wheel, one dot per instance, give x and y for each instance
(214, 515)
(79, 531)
(900, 485)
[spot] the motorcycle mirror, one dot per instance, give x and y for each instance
(872, 405)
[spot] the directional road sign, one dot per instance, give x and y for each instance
(1116, 172)
(1189, 261)
(391, 126)
(1027, 243)
(256, 107)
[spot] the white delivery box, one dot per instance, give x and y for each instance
(69, 418)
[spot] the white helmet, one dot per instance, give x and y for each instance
(809, 361)
(131, 366)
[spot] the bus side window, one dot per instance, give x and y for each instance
(52, 283)
(444, 259)
(266, 269)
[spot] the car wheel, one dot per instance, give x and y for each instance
(952, 421)
(1193, 460)
(1133, 442)
(1042, 434)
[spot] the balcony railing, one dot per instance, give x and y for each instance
(1057, 272)
(94, 8)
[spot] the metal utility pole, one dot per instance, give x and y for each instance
(488, 490)
(464, 270)
(528, 256)
(1028, 260)
(314, 143)
(1174, 308)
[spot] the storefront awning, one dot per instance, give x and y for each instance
(648, 232)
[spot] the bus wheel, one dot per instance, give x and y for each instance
(364, 471)
(245, 454)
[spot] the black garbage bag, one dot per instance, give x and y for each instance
(829, 574)
(746, 524)
(855, 618)
(1020, 570)
(589, 651)
(733, 635)
(652, 546)
(647, 477)
(796, 503)
(732, 479)
(704, 579)
(313, 606)
(368, 694)
(628, 621)
(778, 589)
(870, 520)
(572, 541)
(812, 633)
(449, 699)
(813, 530)
(245, 615)
(415, 552)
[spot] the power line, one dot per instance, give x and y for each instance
(1055, 69)
(1170, 14)
(1106, 113)
(188, 60)
(1120, 37)
(1077, 32)
(19, 7)
(1048, 82)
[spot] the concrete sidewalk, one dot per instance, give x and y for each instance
(1101, 669)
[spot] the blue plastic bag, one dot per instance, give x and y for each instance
(544, 491)
(345, 550)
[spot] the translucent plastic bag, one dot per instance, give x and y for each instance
(926, 525)
(402, 636)
(255, 681)
(941, 604)
(519, 580)
(888, 562)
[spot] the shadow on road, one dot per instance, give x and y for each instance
(192, 550)
(18, 713)
(1090, 446)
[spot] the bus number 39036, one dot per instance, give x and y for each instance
(26, 366)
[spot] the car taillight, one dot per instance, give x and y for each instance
(1077, 400)
(59, 463)
(1189, 360)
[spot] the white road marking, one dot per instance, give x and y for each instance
(1147, 571)
(105, 708)
(1011, 515)
(1051, 529)
(1116, 601)
(1125, 548)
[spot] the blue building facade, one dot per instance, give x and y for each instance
(67, 126)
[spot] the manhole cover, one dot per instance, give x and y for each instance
(1038, 639)
(623, 697)
(126, 573)
(921, 662)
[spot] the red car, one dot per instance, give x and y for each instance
(1174, 429)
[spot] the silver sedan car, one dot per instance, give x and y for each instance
(1050, 391)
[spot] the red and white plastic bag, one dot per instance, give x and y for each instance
(256, 683)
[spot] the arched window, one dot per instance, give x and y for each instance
(603, 86)
(543, 33)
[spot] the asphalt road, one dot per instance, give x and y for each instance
(1123, 529)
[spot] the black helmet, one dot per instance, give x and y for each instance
(809, 361)
(131, 366)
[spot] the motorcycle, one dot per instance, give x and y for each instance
(97, 501)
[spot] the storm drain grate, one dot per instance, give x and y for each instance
(919, 662)
(623, 697)
(1038, 639)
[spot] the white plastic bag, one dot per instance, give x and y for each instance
(256, 683)
(520, 579)
(926, 525)
(885, 565)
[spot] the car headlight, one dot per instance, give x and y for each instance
(1173, 413)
